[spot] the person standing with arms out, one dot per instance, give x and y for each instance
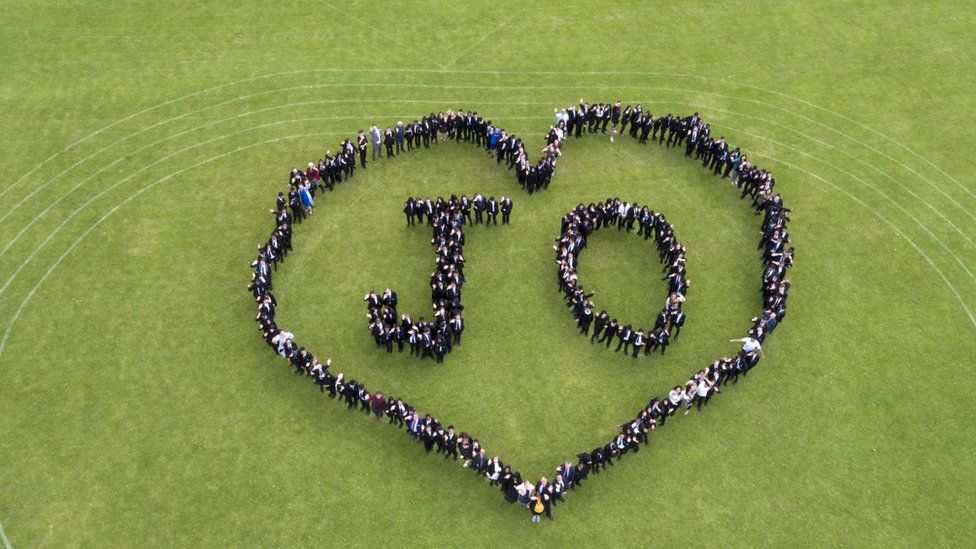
(750, 346)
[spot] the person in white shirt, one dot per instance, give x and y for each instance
(688, 397)
(675, 398)
(750, 346)
(706, 388)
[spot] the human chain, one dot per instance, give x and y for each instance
(539, 497)
(577, 226)
(437, 337)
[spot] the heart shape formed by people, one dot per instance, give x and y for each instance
(447, 217)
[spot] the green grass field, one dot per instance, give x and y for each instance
(141, 145)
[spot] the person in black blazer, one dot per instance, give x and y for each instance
(611, 332)
(399, 134)
(677, 320)
(389, 140)
(450, 443)
(410, 209)
(478, 204)
(599, 323)
(390, 301)
(466, 208)
(457, 327)
(506, 207)
(361, 143)
(626, 336)
(492, 210)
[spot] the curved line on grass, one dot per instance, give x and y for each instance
(132, 196)
(849, 137)
(137, 172)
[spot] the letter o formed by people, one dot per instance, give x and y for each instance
(632, 338)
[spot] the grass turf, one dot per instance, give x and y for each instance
(138, 405)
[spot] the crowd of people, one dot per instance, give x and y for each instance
(468, 127)
(438, 336)
(577, 226)
(542, 496)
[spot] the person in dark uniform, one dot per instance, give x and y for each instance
(626, 336)
(506, 207)
(399, 135)
(647, 123)
(450, 443)
(408, 134)
(615, 117)
(492, 210)
(611, 332)
(388, 141)
(457, 328)
(478, 204)
(410, 210)
(361, 143)
(677, 320)
(599, 323)
(638, 342)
